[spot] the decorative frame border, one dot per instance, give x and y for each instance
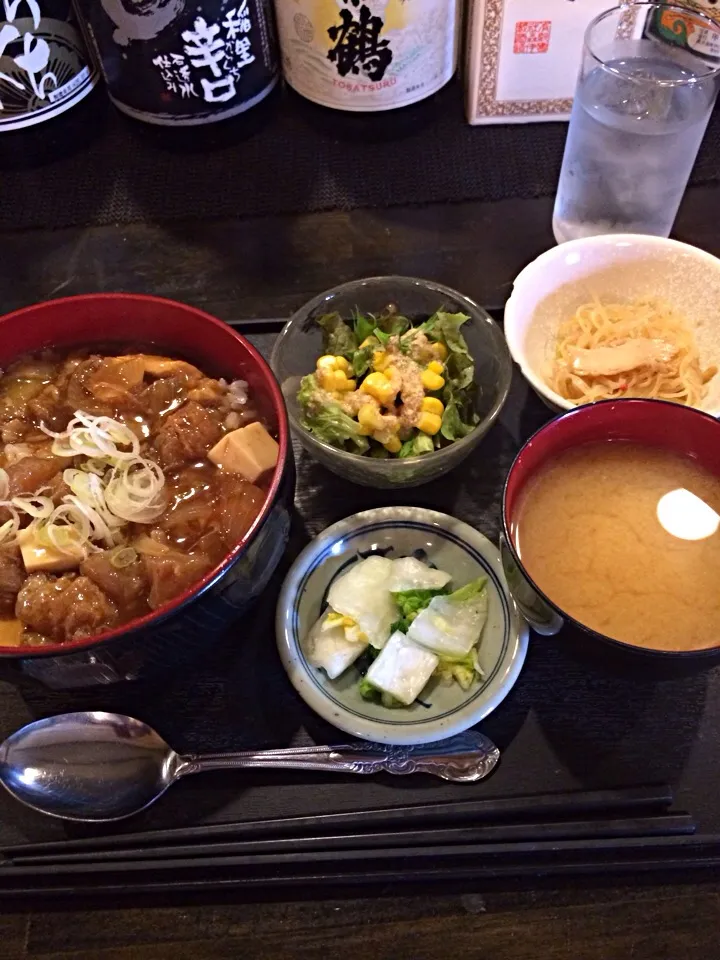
(483, 92)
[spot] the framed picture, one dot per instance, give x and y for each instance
(523, 57)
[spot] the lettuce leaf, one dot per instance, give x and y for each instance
(339, 339)
(459, 417)
(421, 443)
(361, 360)
(454, 427)
(378, 452)
(308, 391)
(460, 365)
(393, 324)
(363, 325)
(328, 421)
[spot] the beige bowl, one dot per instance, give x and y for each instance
(617, 268)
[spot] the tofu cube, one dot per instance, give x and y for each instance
(328, 647)
(249, 451)
(402, 668)
(38, 557)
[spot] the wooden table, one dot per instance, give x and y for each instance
(240, 269)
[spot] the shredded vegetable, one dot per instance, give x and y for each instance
(37, 506)
(123, 557)
(9, 529)
(112, 487)
(134, 491)
(95, 437)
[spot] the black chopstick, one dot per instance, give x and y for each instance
(664, 825)
(677, 859)
(406, 857)
(561, 805)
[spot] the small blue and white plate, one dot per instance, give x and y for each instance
(442, 541)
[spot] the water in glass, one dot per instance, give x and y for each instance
(634, 133)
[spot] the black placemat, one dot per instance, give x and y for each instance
(299, 161)
(569, 722)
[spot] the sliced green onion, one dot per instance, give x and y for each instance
(123, 557)
(94, 437)
(38, 507)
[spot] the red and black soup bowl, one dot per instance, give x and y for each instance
(183, 629)
(652, 423)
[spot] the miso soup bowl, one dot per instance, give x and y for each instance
(184, 628)
(653, 423)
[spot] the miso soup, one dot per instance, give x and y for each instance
(625, 539)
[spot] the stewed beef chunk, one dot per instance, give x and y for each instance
(126, 586)
(238, 505)
(64, 608)
(173, 571)
(12, 577)
(32, 473)
(186, 435)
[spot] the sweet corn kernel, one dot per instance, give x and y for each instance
(393, 445)
(342, 364)
(380, 359)
(429, 423)
(335, 380)
(365, 431)
(369, 418)
(432, 381)
(325, 363)
(435, 366)
(440, 351)
(377, 385)
(432, 405)
(392, 373)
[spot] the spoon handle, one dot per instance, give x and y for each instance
(466, 757)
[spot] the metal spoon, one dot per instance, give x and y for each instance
(103, 766)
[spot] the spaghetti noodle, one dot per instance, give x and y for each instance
(659, 357)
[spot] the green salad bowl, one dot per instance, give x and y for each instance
(301, 343)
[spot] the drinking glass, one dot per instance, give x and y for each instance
(648, 82)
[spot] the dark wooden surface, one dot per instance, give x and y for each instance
(266, 268)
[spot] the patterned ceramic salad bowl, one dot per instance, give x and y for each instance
(425, 684)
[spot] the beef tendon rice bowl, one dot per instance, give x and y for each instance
(132, 480)
(123, 480)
